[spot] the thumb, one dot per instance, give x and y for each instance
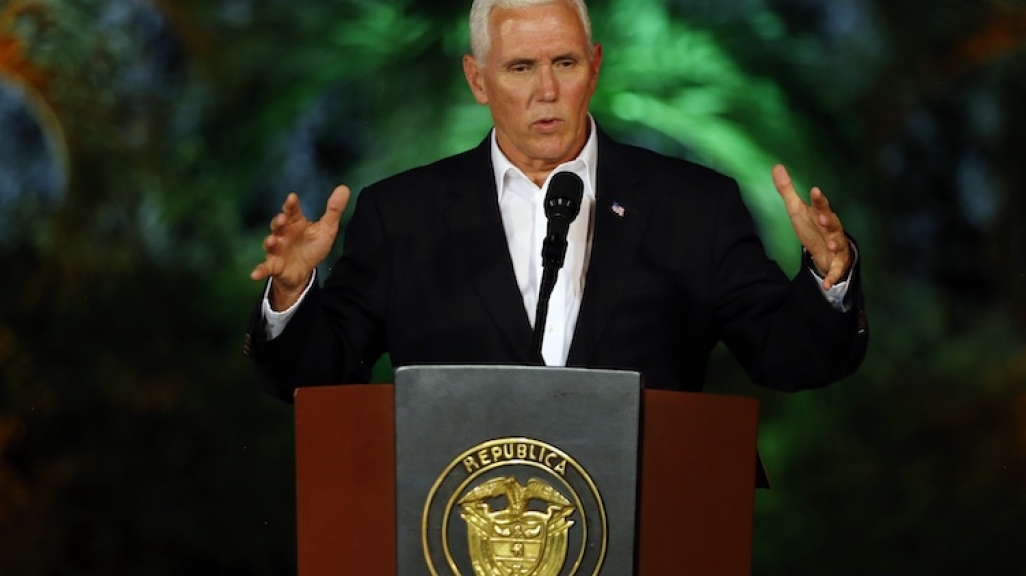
(336, 206)
(783, 183)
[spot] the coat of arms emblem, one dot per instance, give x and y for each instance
(516, 541)
(514, 507)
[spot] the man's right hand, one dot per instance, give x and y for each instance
(296, 246)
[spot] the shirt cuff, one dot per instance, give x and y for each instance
(837, 295)
(275, 321)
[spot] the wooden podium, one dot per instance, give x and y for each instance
(695, 508)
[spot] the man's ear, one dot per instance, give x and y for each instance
(596, 65)
(596, 59)
(472, 71)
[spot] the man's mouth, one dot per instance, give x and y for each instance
(547, 124)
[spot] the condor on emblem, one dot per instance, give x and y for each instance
(514, 507)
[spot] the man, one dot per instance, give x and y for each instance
(441, 263)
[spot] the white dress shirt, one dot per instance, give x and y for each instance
(522, 206)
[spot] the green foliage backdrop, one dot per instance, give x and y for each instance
(144, 145)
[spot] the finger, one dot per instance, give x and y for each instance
(336, 206)
(782, 180)
(259, 273)
(838, 266)
(836, 241)
(271, 264)
(292, 210)
(820, 206)
(819, 200)
(278, 222)
(825, 216)
(834, 274)
(264, 270)
(785, 186)
(829, 281)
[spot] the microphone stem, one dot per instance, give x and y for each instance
(548, 282)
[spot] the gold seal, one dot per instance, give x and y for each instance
(526, 506)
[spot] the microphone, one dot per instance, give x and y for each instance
(562, 204)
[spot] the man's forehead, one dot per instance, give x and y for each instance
(546, 30)
(547, 13)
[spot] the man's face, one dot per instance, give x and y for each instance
(537, 79)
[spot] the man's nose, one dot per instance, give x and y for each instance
(548, 86)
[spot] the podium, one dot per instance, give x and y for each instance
(695, 483)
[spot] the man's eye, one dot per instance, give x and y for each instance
(518, 68)
(565, 64)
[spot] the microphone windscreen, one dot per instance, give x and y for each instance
(563, 200)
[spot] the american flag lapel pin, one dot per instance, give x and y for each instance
(618, 209)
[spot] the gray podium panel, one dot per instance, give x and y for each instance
(516, 470)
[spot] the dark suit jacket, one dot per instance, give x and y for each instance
(426, 276)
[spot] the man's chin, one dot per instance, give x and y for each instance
(555, 150)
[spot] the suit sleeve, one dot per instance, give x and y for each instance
(336, 334)
(784, 332)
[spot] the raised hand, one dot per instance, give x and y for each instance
(296, 246)
(817, 228)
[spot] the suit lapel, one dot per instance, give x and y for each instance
(621, 216)
(478, 240)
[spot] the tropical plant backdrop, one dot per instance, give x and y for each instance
(144, 145)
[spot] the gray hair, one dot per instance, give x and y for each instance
(481, 11)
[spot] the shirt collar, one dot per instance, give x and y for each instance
(584, 165)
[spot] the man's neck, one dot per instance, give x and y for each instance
(538, 170)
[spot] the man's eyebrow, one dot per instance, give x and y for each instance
(532, 61)
(518, 62)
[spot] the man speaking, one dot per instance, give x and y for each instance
(443, 264)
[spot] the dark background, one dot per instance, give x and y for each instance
(144, 146)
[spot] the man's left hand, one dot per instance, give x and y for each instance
(817, 228)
